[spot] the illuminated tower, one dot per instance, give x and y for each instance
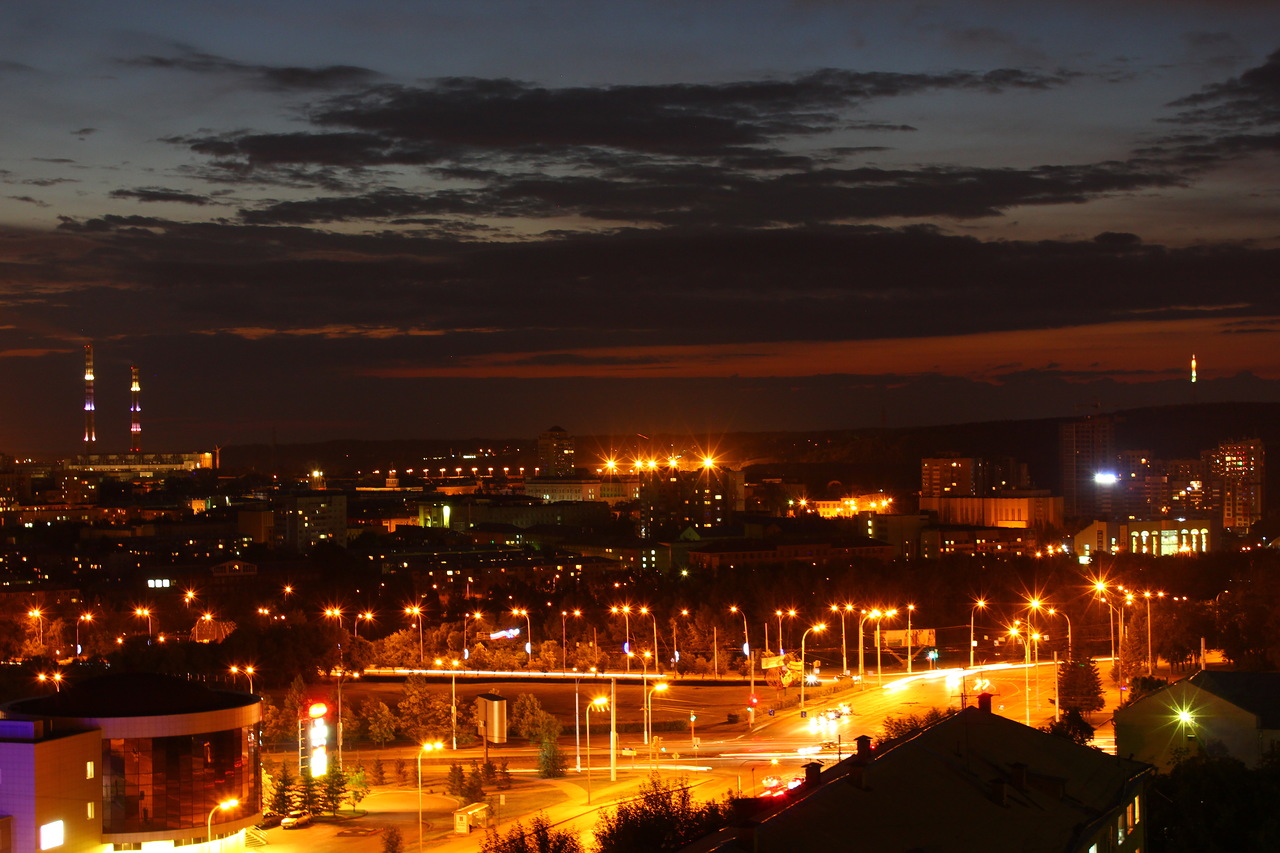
(90, 436)
(135, 429)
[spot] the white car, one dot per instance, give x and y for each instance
(296, 820)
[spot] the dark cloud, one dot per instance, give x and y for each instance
(26, 199)
(84, 131)
(1249, 101)
(689, 194)
(284, 78)
(161, 194)
(548, 297)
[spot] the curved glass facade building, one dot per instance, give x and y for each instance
(171, 751)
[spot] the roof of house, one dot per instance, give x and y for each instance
(973, 781)
(132, 694)
(1256, 692)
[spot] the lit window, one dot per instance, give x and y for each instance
(89, 770)
(52, 835)
(88, 809)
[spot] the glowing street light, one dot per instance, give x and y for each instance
(564, 636)
(38, 615)
(1151, 659)
(977, 605)
(819, 628)
(334, 613)
(911, 608)
(426, 747)
(528, 622)
(466, 652)
(879, 671)
(225, 805)
(416, 612)
(645, 611)
(453, 697)
(56, 678)
(599, 704)
(844, 643)
(660, 687)
(625, 611)
(247, 671)
(780, 614)
(144, 612)
(366, 616)
(83, 617)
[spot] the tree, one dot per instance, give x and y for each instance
(896, 728)
(333, 789)
(524, 715)
(378, 773)
(504, 776)
(308, 789)
(488, 772)
(473, 787)
(455, 780)
(663, 817)
(540, 837)
(282, 791)
(552, 763)
(1080, 685)
(392, 842)
(424, 713)
(379, 721)
(357, 788)
(402, 771)
(1072, 726)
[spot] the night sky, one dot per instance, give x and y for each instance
(318, 220)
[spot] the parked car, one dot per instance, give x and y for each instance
(296, 820)
(269, 820)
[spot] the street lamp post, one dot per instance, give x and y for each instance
(528, 623)
(910, 609)
(1070, 641)
(453, 698)
(225, 805)
(879, 671)
(84, 617)
(977, 605)
(564, 637)
(803, 676)
(247, 671)
(645, 611)
(416, 612)
(1151, 659)
(648, 708)
(142, 611)
(466, 652)
(598, 703)
(367, 616)
(844, 642)
(862, 670)
(1015, 631)
(38, 615)
(625, 610)
(780, 614)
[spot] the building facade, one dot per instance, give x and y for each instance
(129, 761)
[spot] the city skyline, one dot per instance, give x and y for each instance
(340, 221)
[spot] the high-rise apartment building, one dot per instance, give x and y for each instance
(1238, 467)
(1087, 450)
(555, 453)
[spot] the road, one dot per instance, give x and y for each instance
(731, 757)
